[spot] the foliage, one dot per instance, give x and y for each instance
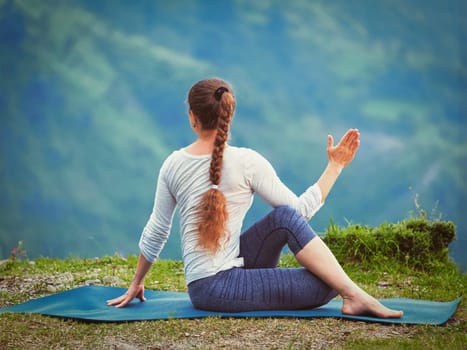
(385, 260)
(22, 280)
(415, 243)
(18, 252)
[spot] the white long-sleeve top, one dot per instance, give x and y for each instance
(184, 178)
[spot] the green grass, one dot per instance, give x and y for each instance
(24, 280)
(407, 259)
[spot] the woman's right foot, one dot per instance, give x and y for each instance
(362, 303)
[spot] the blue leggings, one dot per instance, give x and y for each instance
(260, 284)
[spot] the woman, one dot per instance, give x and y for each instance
(212, 184)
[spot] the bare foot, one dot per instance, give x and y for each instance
(364, 304)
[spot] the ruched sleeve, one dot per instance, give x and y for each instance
(264, 181)
(157, 229)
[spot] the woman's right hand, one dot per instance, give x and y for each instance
(135, 291)
(344, 152)
(339, 157)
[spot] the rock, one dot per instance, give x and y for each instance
(92, 282)
(66, 278)
(384, 284)
(51, 289)
(112, 280)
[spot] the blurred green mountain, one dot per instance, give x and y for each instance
(92, 99)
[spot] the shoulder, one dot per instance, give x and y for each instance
(181, 155)
(252, 160)
(172, 159)
(243, 153)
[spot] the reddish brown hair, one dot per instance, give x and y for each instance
(213, 103)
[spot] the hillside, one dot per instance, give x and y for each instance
(92, 99)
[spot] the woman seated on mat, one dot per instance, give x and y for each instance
(213, 183)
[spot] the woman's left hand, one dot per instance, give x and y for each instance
(344, 152)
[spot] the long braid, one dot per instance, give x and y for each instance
(212, 209)
(220, 141)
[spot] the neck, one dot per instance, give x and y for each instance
(204, 144)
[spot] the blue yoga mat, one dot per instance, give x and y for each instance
(89, 303)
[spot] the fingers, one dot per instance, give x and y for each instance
(356, 141)
(330, 141)
(121, 301)
(344, 152)
(355, 145)
(124, 303)
(126, 298)
(350, 137)
(116, 301)
(351, 140)
(140, 296)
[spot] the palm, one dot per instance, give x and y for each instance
(344, 152)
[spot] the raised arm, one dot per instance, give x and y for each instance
(339, 156)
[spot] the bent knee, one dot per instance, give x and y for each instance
(285, 211)
(288, 216)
